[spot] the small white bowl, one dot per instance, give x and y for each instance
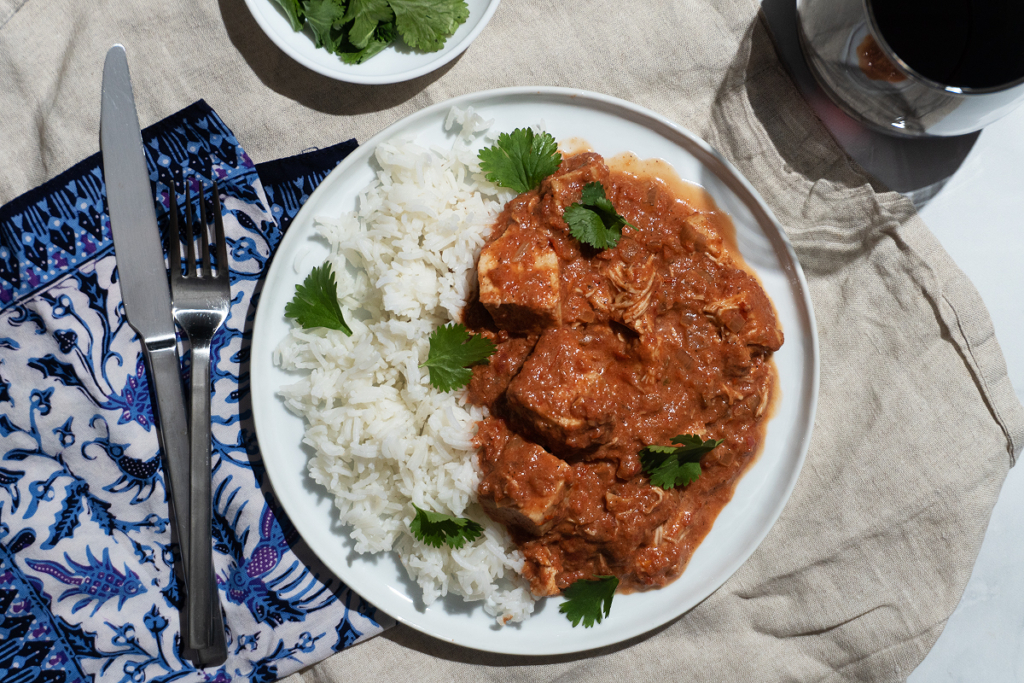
(398, 62)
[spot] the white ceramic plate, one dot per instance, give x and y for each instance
(610, 126)
(398, 62)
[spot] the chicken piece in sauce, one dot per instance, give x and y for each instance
(523, 485)
(520, 281)
(601, 353)
(567, 394)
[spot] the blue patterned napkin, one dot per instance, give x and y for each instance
(86, 586)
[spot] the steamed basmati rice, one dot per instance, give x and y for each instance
(383, 437)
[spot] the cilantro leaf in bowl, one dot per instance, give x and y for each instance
(426, 24)
(356, 30)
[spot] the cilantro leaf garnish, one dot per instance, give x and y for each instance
(587, 226)
(426, 24)
(435, 528)
(315, 303)
(679, 465)
(593, 220)
(521, 159)
(452, 351)
(589, 600)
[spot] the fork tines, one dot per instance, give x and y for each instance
(174, 238)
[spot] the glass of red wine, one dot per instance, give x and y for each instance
(917, 67)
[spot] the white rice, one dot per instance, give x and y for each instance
(384, 437)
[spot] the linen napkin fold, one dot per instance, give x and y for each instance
(86, 585)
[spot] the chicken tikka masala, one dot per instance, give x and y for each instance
(601, 353)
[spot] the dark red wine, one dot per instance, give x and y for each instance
(962, 43)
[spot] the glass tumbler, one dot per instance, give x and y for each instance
(917, 67)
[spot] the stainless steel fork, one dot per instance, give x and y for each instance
(200, 300)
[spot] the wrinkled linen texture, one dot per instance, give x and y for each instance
(917, 424)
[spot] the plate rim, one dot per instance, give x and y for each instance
(710, 158)
(384, 79)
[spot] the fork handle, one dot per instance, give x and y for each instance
(205, 622)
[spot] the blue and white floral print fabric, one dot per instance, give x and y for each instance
(86, 586)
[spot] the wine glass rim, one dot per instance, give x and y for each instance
(916, 75)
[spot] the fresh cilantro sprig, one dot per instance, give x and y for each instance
(356, 30)
(589, 601)
(315, 303)
(521, 159)
(593, 220)
(452, 351)
(679, 465)
(435, 528)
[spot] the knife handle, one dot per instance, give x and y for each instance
(165, 378)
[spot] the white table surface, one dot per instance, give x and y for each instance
(970, 192)
(979, 218)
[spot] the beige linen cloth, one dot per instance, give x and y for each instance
(917, 424)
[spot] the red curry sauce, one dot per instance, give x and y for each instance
(601, 353)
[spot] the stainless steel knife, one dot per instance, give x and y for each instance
(147, 301)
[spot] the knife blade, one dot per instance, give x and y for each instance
(139, 256)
